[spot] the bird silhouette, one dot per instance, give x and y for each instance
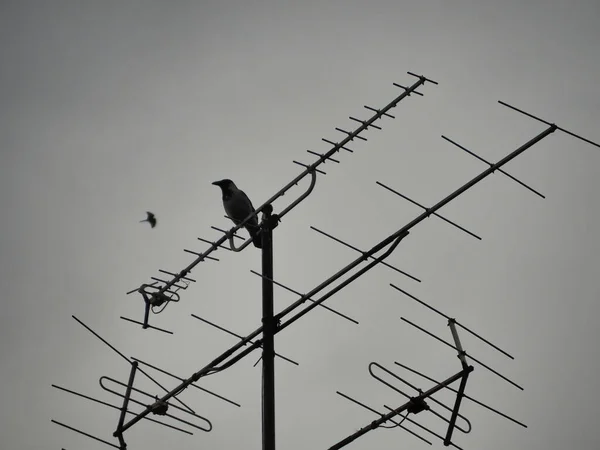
(151, 219)
(237, 207)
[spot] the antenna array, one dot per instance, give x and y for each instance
(158, 293)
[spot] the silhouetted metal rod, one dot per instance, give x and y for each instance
(321, 154)
(239, 337)
(394, 239)
(181, 379)
(206, 241)
(201, 256)
(309, 299)
(405, 88)
(426, 209)
(85, 434)
(118, 434)
(364, 122)
(310, 170)
(421, 77)
(183, 277)
(383, 263)
(144, 289)
(465, 353)
(306, 165)
(459, 396)
(237, 236)
(449, 318)
(137, 289)
(147, 325)
(349, 150)
(376, 110)
(414, 422)
(435, 413)
(118, 408)
(490, 164)
(126, 359)
(269, 327)
(376, 423)
(337, 288)
(466, 396)
(548, 123)
(139, 391)
(212, 366)
(396, 424)
(178, 286)
(351, 134)
(457, 343)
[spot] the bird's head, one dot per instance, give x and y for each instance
(226, 185)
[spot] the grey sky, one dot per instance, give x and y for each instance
(111, 109)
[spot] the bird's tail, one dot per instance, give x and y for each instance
(256, 235)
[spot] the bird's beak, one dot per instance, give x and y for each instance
(217, 183)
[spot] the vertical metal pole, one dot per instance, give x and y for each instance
(268, 354)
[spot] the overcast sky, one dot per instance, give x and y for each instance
(110, 109)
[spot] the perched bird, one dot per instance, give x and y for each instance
(237, 207)
(151, 219)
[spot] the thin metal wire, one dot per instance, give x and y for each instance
(178, 286)
(405, 88)
(307, 166)
(143, 286)
(204, 257)
(183, 277)
(426, 429)
(139, 391)
(362, 252)
(396, 424)
(148, 326)
(490, 164)
(321, 155)
(337, 145)
(465, 395)
(421, 77)
(239, 337)
(465, 353)
(200, 255)
(337, 288)
(364, 122)
(351, 134)
(84, 433)
(118, 408)
(450, 318)
(206, 241)
(435, 413)
(309, 299)
(181, 379)
(377, 111)
(126, 359)
(548, 123)
(426, 209)
(374, 424)
(237, 236)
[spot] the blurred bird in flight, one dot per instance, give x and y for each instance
(151, 219)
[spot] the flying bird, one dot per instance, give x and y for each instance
(237, 207)
(151, 219)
